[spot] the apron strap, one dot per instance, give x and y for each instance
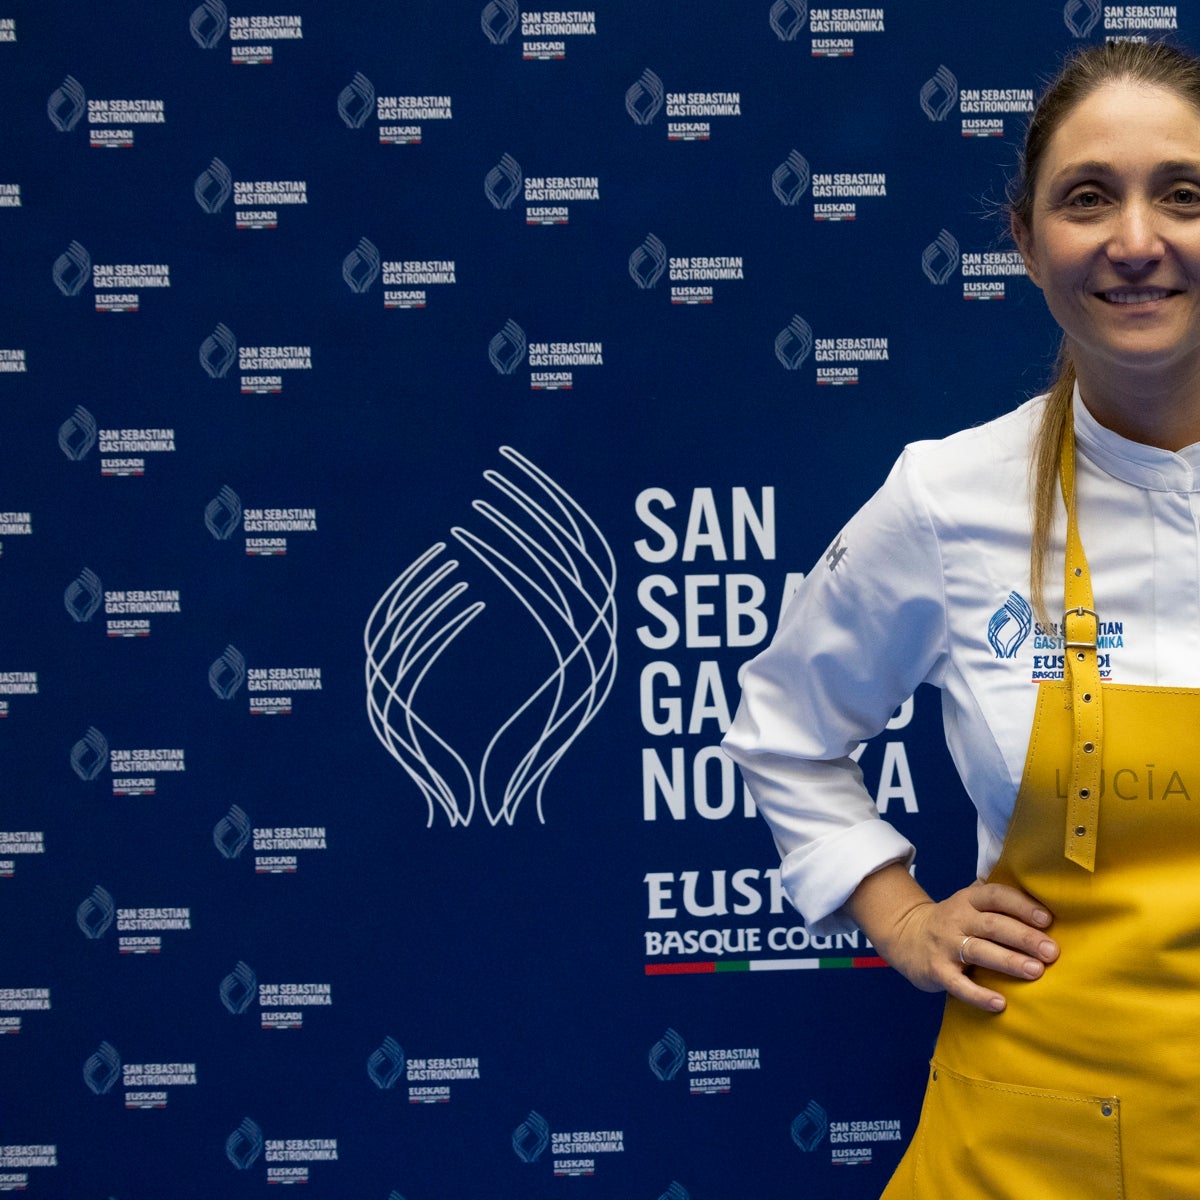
(1080, 630)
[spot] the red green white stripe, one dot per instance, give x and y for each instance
(722, 966)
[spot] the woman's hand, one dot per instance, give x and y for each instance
(933, 943)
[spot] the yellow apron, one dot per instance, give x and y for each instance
(1087, 1086)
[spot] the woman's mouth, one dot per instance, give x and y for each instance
(1135, 295)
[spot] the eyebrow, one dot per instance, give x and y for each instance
(1101, 168)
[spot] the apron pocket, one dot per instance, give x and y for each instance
(979, 1138)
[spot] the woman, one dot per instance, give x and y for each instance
(1068, 1064)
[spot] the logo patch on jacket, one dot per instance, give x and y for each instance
(1010, 626)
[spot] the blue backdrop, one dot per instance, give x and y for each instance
(411, 417)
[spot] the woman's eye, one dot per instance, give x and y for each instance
(1087, 199)
(1185, 195)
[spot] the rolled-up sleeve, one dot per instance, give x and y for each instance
(865, 628)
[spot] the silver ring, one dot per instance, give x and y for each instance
(962, 957)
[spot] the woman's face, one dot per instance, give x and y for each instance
(1114, 241)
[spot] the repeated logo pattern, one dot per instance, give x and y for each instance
(277, 278)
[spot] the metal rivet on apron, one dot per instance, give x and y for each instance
(1084, 793)
(1087, 697)
(1106, 1110)
(1079, 656)
(935, 1077)
(1089, 747)
(1080, 830)
(1078, 572)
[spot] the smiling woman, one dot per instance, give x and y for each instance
(1064, 1066)
(1154, 74)
(1113, 241)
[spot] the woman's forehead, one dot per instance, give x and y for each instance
(1127, 115)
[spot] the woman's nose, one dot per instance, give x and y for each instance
(1136, 240)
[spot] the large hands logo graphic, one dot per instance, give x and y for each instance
(550, 555)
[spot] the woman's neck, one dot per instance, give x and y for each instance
(1152, 411)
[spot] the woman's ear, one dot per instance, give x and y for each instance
(1024, 239)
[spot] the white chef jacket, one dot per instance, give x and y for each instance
(929, 582)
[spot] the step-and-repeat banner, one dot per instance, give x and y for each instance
(412, 415)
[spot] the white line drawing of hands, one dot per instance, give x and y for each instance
(553, 559)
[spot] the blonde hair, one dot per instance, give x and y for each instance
(1043, 479)
(1155, 64)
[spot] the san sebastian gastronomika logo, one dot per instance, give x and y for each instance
(1010, 625)
(66, 105)
(553, 559)
(385, 1065)
(506, 349)
(667, 1056)
(218, 352)
(232, 833)
(794, 343)
(361, 267)
(89, 756)
(239, 989)
(648, 262)
(939, 94)
(940, 259)
(788, 18)
(102, 1069)
(810, 1127)
(1081, 16)
(644, 99)
(531, 1138)
(356, 101)
(223, 514)
(503, 183)
(244, 1145)
(499, 20)
(77, 434)
(227, 673)
(208, 24)
(83, 595)
(72, 270)
(790, 180)
(213, 186)
(95, 915)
